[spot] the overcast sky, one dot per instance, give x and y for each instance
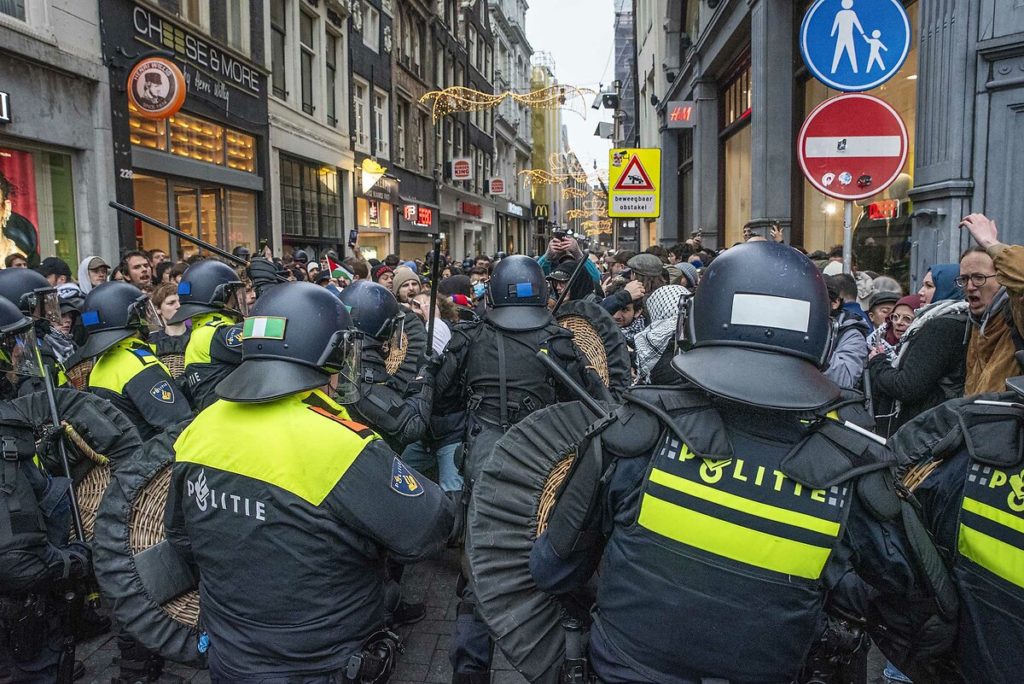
(578, 34)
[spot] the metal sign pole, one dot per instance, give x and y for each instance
(848, 237)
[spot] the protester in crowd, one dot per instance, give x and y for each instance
(162, 273)
(560, 248)
(92, 271)
(359, 268)
(884, 283)
(657, 341)
(851, 352)
(459, 289)
(879, 307)
(172, 337)
(619, 261)
(15, 260)
(649, 270)
(558, 280)
(928, 366)
(136, 270)
(992, 275)
(55, 270)
(445, 313)
(156, 257)
(383, 274)
(177, 271)
(313, 271)
(405, 285)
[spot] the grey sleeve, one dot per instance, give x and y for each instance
(847, 364)
(387, 501)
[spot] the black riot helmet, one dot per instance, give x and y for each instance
(295, 338)
(207, 286)
(242, 252)
(264, 274)
(113, 312)
(375, 311)
(519, 294)
(758, 330)
(18, 343)
(30, 292)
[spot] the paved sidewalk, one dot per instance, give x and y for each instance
(426, 643)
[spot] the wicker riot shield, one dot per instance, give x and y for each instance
(512, 499)
(403, 362)
(152, 589)
(599, 338)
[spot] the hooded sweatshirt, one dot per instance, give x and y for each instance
(84, 283)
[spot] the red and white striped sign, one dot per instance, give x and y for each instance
(852, 146)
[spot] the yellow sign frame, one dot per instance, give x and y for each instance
(644, 202)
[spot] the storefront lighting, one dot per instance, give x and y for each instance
(371, 173)
(912, 77)
(830, 208)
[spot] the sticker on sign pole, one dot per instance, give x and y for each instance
(855, 45)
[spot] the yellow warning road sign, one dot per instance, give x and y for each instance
(634, 183)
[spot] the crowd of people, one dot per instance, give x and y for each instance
(765, 344)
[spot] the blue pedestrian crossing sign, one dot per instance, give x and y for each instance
(855, 45)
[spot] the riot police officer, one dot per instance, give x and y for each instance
(38, 599)
(971, 498)
(36, 298)
(398, 414)
(116, 318)
(314, 524)
(212, 295)
(493, 368)
(745, 523)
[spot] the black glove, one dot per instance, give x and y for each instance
(100, 424)
(77, 560)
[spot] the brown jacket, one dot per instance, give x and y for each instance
(990, 358)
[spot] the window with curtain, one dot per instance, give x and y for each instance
(361, 113)
(380, 110)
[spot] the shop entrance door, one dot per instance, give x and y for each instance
(199, 212)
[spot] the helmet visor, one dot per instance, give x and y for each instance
(342, 358)
(19, 353)
(144, 314)
(237, 299)
(46, 305)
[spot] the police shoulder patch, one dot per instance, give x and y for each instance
(162, 391)
(403, 480)
(233, 337)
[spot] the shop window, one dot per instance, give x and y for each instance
(13, 8)
(197, 139)
(41, 218)
(151, 133)
(278, 63)
(241, 150)
(151, 199)
(737, 185)
(373, 214)
(307, 59)
(331, 60)
(736, 148)
(240, 208)
(880, 244)
(310, 199)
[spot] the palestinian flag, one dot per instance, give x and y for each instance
(337, 270)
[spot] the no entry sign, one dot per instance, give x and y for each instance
(852, 146)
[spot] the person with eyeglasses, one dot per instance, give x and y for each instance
(992, 276)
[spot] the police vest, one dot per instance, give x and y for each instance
(731, 537)
(119, 365)
(282, 579)
(989, 564)
(527, 383)
(202, 369)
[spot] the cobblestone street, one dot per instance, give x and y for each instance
(426, 643)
